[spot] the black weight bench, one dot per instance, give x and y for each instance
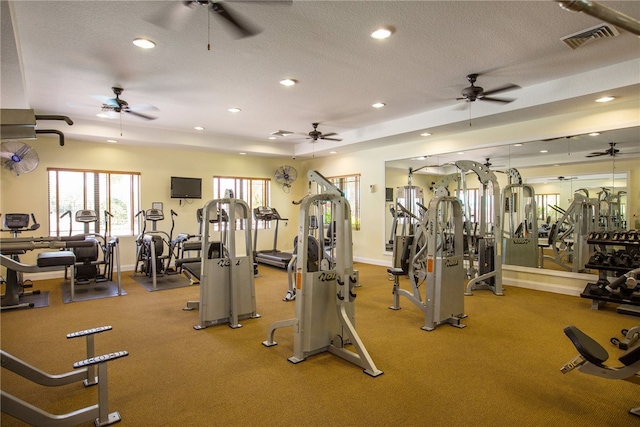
(593, 356)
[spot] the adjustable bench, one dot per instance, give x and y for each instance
(592, 357)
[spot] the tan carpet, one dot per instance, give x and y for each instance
(501, 370)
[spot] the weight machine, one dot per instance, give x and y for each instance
(325, 310)
(227, 291)
(568, 235)
(519, 225)
(436, 261)
(482, 239)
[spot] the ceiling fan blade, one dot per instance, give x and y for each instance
(597, 154)
(144, 116)
(172, 17)
(330, 139)
(505, 88)
(503, 101)
(329, 134)
(242, 27)
(143, 107)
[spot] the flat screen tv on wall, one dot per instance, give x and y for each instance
(186, 188)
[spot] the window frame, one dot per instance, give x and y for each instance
(94, 197)
(341, 182)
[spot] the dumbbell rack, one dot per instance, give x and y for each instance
(617, 252)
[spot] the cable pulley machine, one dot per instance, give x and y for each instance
(324, 304)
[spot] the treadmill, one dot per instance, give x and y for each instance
(273, 256)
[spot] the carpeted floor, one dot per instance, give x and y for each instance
(501, 370)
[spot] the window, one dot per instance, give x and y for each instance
(71, 190)
(544, 203)
(254, 191)
(350, 186)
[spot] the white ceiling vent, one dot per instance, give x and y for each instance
(576, 40)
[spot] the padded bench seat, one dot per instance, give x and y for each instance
(56, 259)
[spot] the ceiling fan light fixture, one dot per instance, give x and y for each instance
(382, 33)
(288, 82)
(144, 43)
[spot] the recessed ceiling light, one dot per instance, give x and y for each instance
(282, 133)
(420, 158)
(544, 151)
(144, 43)
(243, 154)
(382, 33)
(198, 128)
(425, 134)
(112, 141)
(594, 134)
(288, 82)
(103, 115)
(333, 152)
(378, 105)
(460, 152)
(605, 99)
(517, 145)
(234, 110)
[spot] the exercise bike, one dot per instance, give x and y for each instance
(16, 223)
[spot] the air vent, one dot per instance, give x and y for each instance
(576, 40)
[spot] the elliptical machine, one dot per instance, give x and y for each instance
(150, 245)
(89, 265)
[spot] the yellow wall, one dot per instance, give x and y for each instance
(28, 193)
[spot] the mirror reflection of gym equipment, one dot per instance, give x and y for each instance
(519, 224)
(324, 305)
(227, 291)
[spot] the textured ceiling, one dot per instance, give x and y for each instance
(68, 54)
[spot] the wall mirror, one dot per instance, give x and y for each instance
(596, 165)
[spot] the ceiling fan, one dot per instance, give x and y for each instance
(175, 17)
(119, 105)
(611, 151)
(474, 92)
(315, 134)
